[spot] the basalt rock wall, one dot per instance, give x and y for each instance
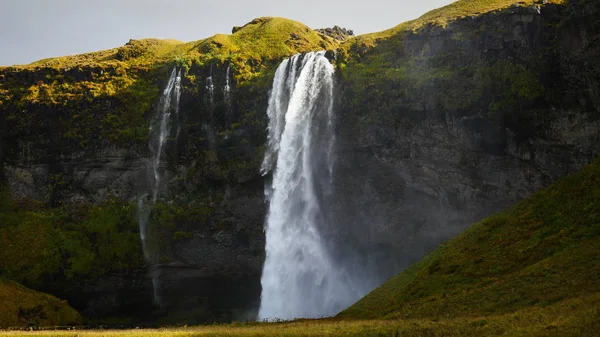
(440, 127)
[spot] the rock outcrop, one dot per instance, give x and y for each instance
(338, 33)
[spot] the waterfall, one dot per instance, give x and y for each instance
(159, 132)
(227, 92)
(227, 87)
(299, 277)
(210, 88)
(209, 126)
(169, 104)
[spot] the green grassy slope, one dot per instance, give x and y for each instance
(444, 15)
(21, 306)
(262, 39)
(544, 250)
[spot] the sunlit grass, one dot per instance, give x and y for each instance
(47, 309)
(444, 15)
(573, 317)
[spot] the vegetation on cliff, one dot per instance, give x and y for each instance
(23, 307)
(107, 97)
(455, 62)
(51, 248)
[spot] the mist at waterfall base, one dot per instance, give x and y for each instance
(301, 277)
(160, 130)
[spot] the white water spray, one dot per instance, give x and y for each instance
(299, 277)
(227, 87)
(160, 129)
(211, 88)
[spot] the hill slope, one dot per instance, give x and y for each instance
(543, 250)
(262, 39)
(22, 306)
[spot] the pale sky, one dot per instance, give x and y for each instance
(35, 29)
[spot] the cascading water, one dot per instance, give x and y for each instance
(211, 88)
(209, 127)
(160, 129)
(227, 87)
(169, 104)
(227, 92)
(299, 277)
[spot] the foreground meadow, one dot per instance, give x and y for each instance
(573, 317)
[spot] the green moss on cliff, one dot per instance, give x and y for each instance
(83, 245)
(22, 307)
(105, 98)
(542, 251)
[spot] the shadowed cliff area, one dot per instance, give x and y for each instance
(439, 122)
(442, 126)
(542, 251)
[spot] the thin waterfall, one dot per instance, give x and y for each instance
(299, 277)
(209, 126)
(227, 92)
(211, 88)
(159, 132)
(169, 105)
(227, 87)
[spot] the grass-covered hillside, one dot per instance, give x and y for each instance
(543, 251)
(262, 39)
(22, 307)
(456, 10)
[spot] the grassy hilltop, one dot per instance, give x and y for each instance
(262, 39)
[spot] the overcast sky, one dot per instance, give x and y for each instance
(34, 29)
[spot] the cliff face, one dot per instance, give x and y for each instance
(75, 163)
(436, 128)
(442, 126)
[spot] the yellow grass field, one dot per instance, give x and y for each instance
(573, 317)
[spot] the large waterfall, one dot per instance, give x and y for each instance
(299, 277)
(160, 130)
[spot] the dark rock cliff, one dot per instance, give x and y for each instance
(436, 128)
(441, 127)
(206, 231)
